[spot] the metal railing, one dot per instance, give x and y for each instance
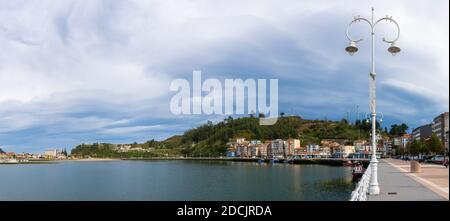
(362, 188)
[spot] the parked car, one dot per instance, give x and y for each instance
(437, 159)
(427, 158)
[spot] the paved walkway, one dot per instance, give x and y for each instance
(397, 184)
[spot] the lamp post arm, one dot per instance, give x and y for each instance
(357, 19)
(389, 19)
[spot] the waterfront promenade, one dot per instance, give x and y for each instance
(398, 184)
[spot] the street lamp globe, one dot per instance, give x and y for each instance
(394, 49)
(351, 48)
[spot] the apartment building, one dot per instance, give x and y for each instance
(293, 147)
(278, 148)
(423, 132)
(440, 126)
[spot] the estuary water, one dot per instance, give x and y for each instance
(174, 180)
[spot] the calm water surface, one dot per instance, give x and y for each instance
(173, 180)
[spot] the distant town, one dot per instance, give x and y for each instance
(337, 148)
(291, 148)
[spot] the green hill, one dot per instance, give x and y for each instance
(210, 139)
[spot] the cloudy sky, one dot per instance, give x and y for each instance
(99, 71)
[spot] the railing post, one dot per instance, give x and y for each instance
(362, 188)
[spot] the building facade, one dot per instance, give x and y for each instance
(242, 150)
(240, 140)
(362, 145)
(292, 147)
(269, 149)
(402, 142)
(278, 148)
(423, 132)
(51, 153)
(446, 142)
(262, 150)
(440, 126)
(312, 148)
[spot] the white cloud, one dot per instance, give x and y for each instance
(131, 129)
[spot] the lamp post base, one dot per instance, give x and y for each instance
(374, 188)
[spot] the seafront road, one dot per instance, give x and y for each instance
(398, 184)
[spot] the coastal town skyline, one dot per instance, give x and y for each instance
(391, 141)
(110, 80)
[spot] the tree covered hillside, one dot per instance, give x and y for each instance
(210, 139)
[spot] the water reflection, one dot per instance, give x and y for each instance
(175, 180)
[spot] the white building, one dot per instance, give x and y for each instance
(123, 147)
(255, 142)
(312, 148)
(277, 148)
(240, 140)
(51, 153)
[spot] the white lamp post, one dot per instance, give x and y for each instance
(374, 188)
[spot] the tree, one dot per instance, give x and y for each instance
(424, 149)
(401, 151)
(434, 144)
(414, 147)
(229, 119)
(344, 121)
(365, 125)
(398, 130)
